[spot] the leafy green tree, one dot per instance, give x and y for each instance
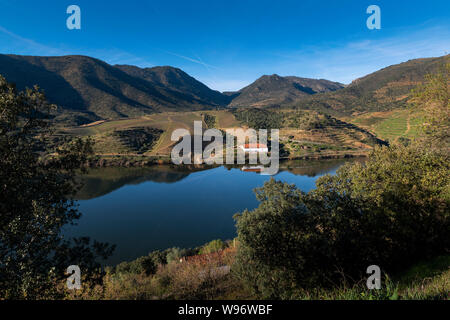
(173, 255)
(401, 195)
(391, 211)
(432, 98)
(213, 246)
(158, 257)
(36, 183)
(276, 242)
(145, 264)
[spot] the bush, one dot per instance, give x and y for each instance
(391, 211)
(173, 255)
(143, 265)
(213, 246)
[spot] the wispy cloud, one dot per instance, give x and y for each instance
(198, 61)
(24, 45)
(338, 61)
(346, 62)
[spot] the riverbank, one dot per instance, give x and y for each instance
(127, 161)
(207, 273)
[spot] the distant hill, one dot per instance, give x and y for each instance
(303, 133)
(178, 81)
(275, 90)
(88, 89)
(383, 90)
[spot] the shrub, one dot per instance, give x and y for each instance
(213, 246)
(173, 254)
(141, 265)
(391, 211)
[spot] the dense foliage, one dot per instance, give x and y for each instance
(433, 99)
(391, 211)
(140, 140)
(305, 120)
(259, 118)
(210, 120)
(34, 184)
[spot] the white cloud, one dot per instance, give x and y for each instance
(347, 62)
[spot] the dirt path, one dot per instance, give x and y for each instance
(408, 125)
(93, 124)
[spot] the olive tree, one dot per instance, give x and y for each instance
(37, 180)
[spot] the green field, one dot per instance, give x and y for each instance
(390, 125)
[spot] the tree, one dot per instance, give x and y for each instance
(36, 183)
(392, 211)
(145, 264)
(213, 246)
(173, 255)
(432, 98)
(276, 242)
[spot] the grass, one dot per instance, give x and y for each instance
(390, 125)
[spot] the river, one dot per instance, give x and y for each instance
(145, 209)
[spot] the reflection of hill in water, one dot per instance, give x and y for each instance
(314, 168)
(99, 182)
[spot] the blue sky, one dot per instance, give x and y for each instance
(228, 44)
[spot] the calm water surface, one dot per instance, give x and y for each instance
(145, 209)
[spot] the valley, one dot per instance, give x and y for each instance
(131, 112)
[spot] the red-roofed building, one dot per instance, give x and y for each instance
(254, 147)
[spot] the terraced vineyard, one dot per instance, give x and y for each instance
(390, 125)
(108, 141)
(304, 134)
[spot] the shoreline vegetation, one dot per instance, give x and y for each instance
(208, 273)
(145, 161)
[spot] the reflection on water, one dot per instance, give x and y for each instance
(144, 209)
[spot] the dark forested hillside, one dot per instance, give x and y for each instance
(87, 89)
(179, 81)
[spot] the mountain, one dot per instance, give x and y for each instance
(177, 80)
(275, 90)
(88, 89)
(383, 90)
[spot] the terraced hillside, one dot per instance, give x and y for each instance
(302, 133)
(108, 141)
(314, 134)
(390, 125)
